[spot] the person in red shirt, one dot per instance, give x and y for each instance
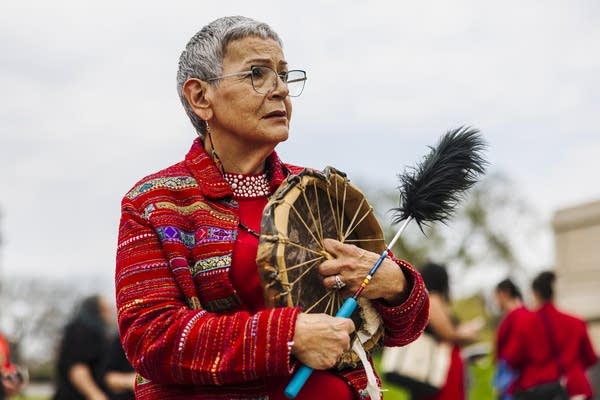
(527, 351)
(569, 340)
(191, 314)
(510, 301)
(548, 347)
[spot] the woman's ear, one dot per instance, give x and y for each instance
(196, 94)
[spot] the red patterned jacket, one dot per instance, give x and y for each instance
(181, 322)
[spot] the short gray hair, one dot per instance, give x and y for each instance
(203, 55)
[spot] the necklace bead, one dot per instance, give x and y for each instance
(248, 185)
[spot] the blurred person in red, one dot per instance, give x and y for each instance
(569, 340)
(510, 300)
(549, 349)
(528, 353)
(444, 327)
(12, 379)
(83, 351)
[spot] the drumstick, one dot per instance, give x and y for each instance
(428, 193)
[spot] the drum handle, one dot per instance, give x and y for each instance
(303, 373)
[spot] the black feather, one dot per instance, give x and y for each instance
(431, 190)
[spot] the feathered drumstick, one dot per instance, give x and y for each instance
(429, 192)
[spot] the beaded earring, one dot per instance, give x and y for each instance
(213, 152)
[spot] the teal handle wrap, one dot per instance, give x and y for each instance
(298, 380)
(303, 373)
(347, 308)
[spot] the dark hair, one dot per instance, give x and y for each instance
(89, 313)
(436, 279)
(507, 286)
(543, 285)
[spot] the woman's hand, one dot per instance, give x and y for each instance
(352, 264)
(81, 377)
(469, 331)
(119, 382)
(320, 339)
(11, 384)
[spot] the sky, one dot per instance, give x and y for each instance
(88, 104)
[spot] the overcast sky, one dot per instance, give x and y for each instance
(88, 103)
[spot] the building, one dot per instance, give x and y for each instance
(577, 247)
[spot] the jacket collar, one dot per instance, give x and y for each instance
(548, 307)
(211, 181)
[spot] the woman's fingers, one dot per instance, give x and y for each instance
(347, 269)
(339, 249)
(335, 282)
(345, 256)
(319, 339)
(352, 264)
(330, 267)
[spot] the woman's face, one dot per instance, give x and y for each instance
(501, 300)
(105, 311)
(250, 118)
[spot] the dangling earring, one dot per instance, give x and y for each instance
(213, 153)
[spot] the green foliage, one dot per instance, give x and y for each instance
(475, 307)
(43, 371)
(481, 375)
(31, 398)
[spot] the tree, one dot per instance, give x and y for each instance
(35, 314)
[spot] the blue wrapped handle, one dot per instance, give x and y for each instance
(303, 373)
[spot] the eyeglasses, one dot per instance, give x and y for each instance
(264, 79)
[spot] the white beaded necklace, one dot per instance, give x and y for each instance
(248, 185)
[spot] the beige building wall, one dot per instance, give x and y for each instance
(577, 244)
(577, 247)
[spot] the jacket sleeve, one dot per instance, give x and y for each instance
(405, 322)
(586, 350)
(169, 343)
(514, 350)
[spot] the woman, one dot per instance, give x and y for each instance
(444, 328)
(81, 359)
(190, 305)
(509, 299)
(570, 344)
